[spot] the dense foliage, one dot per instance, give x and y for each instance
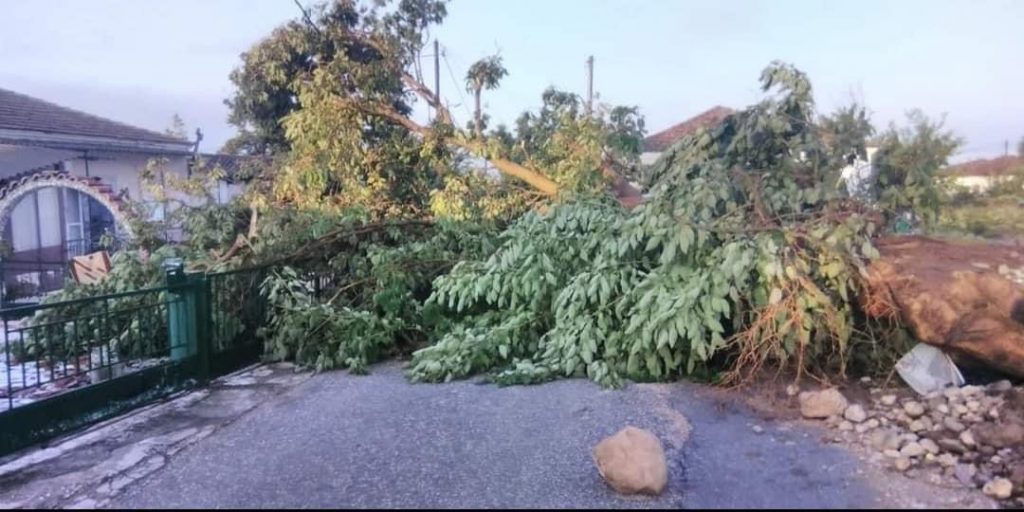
(745, 252)
(384, 236)
(906, 164)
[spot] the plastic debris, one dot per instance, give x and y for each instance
(926, 369)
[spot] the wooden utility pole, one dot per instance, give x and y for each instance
(590, 84)
(437, 72)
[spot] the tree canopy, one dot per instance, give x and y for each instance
(336, 90)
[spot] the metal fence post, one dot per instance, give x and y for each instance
(189, 317)
(180, 321)
(204, 323)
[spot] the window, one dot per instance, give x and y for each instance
(157, 211)
(24, 225)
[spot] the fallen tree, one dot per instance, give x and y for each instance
(745, 256)
(748, 254)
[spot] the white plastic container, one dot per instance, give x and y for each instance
(926, 369)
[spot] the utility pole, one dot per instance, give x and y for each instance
(590, 84)
(437, 73)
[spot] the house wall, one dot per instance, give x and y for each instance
(122, 171)
(977, 184)
(649, 157)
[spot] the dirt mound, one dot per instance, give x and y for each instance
(953, 295)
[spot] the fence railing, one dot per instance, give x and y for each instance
(70, 363)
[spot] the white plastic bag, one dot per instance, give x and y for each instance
(926, 369)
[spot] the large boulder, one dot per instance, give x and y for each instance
(632, 461)
(822, 404)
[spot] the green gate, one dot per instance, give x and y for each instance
(69, 364)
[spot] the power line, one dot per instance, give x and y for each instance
(455, 83)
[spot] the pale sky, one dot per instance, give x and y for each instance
(141, 61)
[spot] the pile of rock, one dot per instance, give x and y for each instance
(969, 435)
(1014, 274)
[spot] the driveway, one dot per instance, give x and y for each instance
(338, 440)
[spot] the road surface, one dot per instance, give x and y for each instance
(339, 440)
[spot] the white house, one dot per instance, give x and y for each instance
(64, 179)
(980, 175)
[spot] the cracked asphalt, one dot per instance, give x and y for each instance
(338, 440)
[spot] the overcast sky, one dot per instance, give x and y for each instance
(141, 61)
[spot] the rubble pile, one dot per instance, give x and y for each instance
(967, 436)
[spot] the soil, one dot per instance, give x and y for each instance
(963, 297)
(932, 260)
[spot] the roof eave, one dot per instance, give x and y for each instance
(84, 142)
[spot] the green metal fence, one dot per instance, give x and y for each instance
(69, 364)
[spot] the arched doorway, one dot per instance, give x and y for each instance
(46, 219)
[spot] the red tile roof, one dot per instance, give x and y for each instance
(660, 141)
(986, 166)
(21, 112)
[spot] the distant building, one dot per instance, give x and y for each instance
(655, 144)
(980, 175)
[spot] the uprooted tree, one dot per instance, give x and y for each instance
(348, 75)
(748, 253)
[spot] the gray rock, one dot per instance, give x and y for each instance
(942, 409)
(909, 437)
(891, 453)
(901, 464)
(846, 426)
(822, 404)
(913, 409)
(917, 426)
(1000, 435)
(929, 446)
(855, 413)
(757, 429)
(1000, 386)
(888, 399)
(967, 438)
(953, 425)
(952, 445)
(884, 439)
(999, 488)
(912, 449)
(965, 473)
(632, 461)
(947, 460)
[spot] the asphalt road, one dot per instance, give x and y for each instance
(376, 441)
